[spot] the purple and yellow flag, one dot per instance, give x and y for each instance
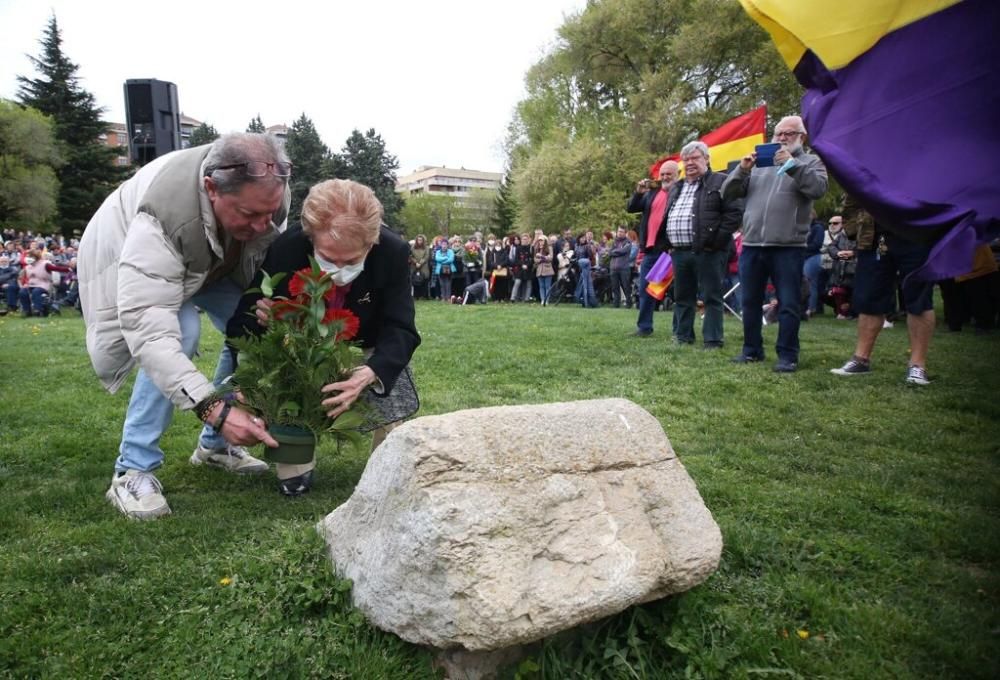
(660, 276)
(901, 103)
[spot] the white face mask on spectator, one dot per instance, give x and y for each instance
(29, 260)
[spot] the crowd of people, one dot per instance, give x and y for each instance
(746, 241)
(37, 273)
(520, 268)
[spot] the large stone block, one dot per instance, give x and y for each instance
(493, 527)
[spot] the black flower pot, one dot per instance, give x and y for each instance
(296, 445)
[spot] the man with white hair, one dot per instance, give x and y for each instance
(776, 218)
(700, 226)
(187, 232)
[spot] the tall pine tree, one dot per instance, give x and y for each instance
(89, 172)
(365, 159)
(505, 204)
(256, 125)
(310, 160)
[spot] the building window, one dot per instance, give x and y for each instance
(121, 139)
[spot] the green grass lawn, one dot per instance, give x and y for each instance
(859, 515)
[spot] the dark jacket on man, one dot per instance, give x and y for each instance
(713, 219)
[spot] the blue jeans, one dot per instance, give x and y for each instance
(445, 282)
(34, 300)
(694, 272)
(621, 280)
(585, 285)
(813, 270)
(11, 291)
(783, 265)
(544, 286)
(646, 302)
(149, 412)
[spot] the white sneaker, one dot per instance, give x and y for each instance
(138, 495)
(231, 459)
(916, 375)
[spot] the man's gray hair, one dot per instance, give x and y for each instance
(239, 147)
(691, 147)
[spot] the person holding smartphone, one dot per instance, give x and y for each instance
(776, 217)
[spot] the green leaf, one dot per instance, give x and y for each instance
(290, 408)
(348, 420)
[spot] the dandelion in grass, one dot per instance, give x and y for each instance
(225, 581)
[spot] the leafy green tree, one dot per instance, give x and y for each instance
(89, 171)
(28, 184)
(310, 159)
(608, 100)
(256, 125)
(204, 134)
(428, 214)
(365, 159)
(476, 211)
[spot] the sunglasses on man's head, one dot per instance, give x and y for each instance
(259, 168)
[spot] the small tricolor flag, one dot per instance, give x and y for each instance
(660, 277)
(729, 142)
(901, 103)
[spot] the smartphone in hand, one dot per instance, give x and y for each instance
(765, 154)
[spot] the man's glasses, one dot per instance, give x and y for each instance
(259, 168)
(787, 133)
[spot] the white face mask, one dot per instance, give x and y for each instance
(341, 275)
(29, 260)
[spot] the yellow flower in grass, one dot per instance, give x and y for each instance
(225, 581)
(802, 633)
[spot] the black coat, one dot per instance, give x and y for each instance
(643, 203)
(495, 259)
(713, 219)
(380, 298)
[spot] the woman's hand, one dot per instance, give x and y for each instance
(347, 390)
(263, 311)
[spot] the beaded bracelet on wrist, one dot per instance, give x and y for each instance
(204, 408)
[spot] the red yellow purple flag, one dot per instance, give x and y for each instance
(728, 142)
(660, 277)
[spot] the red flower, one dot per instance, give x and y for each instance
(297, 285)
(350, 323)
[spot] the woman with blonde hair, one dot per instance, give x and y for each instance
(342, 230)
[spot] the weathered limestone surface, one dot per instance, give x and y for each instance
(493, 527)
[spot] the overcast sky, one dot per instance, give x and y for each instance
(438, 79)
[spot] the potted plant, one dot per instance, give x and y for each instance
(304, 346)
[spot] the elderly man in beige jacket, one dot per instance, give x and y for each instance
(187, 232)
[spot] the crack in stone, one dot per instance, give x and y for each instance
(537, 473)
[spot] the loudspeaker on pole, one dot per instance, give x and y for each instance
(153, 118)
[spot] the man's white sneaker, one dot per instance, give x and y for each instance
(232, 459)
(916, 375)
(138, 495)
